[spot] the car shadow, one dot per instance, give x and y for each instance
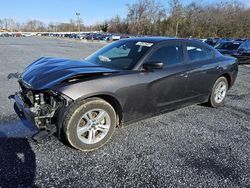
(18, 162)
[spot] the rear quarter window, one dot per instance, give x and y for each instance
(198, 53)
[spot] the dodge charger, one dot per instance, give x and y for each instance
(123, 82)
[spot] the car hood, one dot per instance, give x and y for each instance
(47, 72)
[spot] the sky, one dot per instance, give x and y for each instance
(92, 11)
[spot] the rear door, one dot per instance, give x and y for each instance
(203, 71)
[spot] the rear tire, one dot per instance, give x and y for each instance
(89, 124)
(219, 92)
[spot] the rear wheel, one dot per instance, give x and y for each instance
(89, 124)
(219, 92)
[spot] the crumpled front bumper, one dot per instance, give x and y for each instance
(32, 114)
(24, 109)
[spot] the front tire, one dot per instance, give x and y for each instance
(219, 92)
(89, 124)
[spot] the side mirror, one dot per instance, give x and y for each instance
(153, 65)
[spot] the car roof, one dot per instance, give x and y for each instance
(158, 39)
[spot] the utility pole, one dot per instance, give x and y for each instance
(78, 22)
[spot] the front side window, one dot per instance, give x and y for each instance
(121, 54)
(169, 55)
(197, 53)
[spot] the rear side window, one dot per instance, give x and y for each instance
(197, 53)
(169, 55)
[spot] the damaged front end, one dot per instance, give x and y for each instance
(40, 107)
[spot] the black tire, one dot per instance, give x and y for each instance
(212, 101)
(74, 115)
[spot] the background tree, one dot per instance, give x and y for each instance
(104, 26)
(144, 16)
(176, 12)
(226, 18)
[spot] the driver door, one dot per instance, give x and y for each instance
(167, 88)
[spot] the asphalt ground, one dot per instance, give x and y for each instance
(196, 146)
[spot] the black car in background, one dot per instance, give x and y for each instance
(243, 54)
(215, 41)
(124, 82)
(238, 49)
(228, 48)
(211, 41)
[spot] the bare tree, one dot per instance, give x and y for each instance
(143, 15)
(115, 24)
(176, 11)
(104, 26)
(227, 18)
(34, 25)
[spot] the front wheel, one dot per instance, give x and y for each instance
(89, 124)
(219, 92)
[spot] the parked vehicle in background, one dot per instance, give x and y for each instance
(18, 35)
(220, 40)
(240, 39)
(243, 53)
(116, 37)
(215, 41)
(210, 41)
(124, 82)
(5, 35)
(228, 48)
(29, 34)
(238, 49)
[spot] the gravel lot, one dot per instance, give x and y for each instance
(195, 146)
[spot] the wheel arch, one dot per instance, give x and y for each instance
(229, 79)
(114, 102)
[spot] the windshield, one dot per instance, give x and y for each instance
(228, 45)
(121, 54)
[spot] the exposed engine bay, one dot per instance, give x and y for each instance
(41, 105)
